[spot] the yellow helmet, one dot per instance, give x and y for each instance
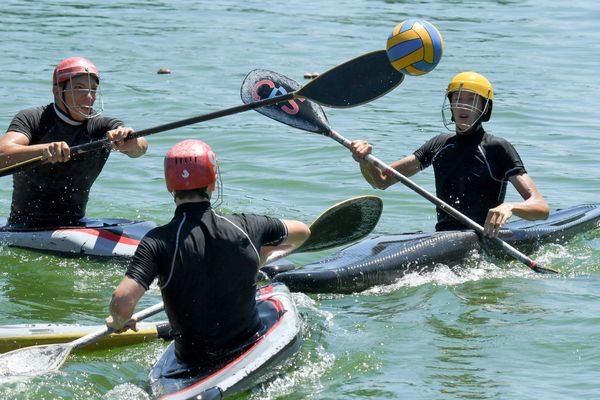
(470, 82)
(474, 82)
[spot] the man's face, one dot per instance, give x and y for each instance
(79, 95)
(467, 108)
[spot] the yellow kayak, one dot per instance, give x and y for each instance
(16, 336)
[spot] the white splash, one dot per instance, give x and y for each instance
(309, 373)
(126, 391)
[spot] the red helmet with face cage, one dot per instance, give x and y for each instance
(72, 67)
(190, 164)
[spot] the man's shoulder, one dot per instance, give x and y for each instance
(159, 233)
(104, 123)
(442, 137)
(251, 222)
(439, 140)
(105, 118)
(495, 141)
(35, 111)
(29, 120)
(250, 217)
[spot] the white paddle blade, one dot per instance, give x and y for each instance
(35, 360)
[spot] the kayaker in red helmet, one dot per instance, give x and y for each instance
(472, 168)
(56, 194)
(206, 264)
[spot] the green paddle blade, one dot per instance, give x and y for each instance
(339, 225)
(344, 223)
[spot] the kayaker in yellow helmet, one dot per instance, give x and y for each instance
(56, 194)
(472, 167)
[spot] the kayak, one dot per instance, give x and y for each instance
(383, 260)
(14, 337)
(173, 380)
(105, 237)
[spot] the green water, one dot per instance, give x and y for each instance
(486, 331)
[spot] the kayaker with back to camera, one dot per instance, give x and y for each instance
(472, 167)
(56, 194)
(200, 258)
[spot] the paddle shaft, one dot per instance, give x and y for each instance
(277, 255)
(98, 144)
(99, 334)
(337, 87)
(386, 169)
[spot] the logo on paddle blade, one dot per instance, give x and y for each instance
(275, 91)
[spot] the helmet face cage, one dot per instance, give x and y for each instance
(474, 107)
(74, 93)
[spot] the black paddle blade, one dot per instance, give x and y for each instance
(300, 113)
(355, 82)
(351, 219)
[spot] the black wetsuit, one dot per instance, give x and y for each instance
(53, 195)
(471, 173)
(206, 264)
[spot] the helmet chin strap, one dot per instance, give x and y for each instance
(218, 200)
(474, 127)
(448, 106)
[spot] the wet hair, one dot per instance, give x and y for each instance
(191, 194)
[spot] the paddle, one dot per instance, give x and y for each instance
(18, 336)
(310, 117)
(350, 84)
(343, 223)
(37, 360)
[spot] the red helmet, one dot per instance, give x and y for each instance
(71, 67)
(190, 164)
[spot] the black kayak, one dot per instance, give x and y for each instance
(384, 259)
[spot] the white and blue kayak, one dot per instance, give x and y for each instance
(172, 380)
(105, 237)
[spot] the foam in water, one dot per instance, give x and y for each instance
(126, 391)
(474, 269)
(309, 372)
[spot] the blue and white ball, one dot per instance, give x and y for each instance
(415, 47)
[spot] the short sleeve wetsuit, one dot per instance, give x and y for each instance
(206, 264)
(471, 173)
(56, 194)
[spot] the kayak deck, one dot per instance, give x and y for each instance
(384, 259)
(282, 338)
